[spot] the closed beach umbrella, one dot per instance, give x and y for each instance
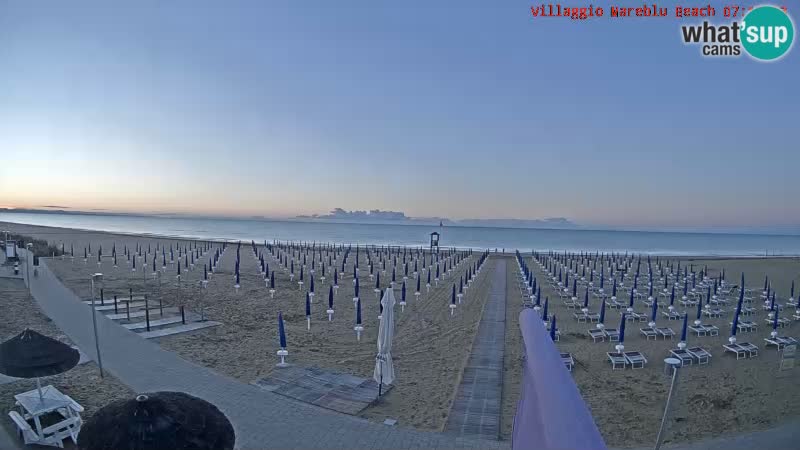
(553, 328)
(33, 355)
(622, 329)
(384, 369)
(281, 331)
(544, 311)
(654, 313)
(308, 310)
(159, 420)
(683, 331)
(603, 312)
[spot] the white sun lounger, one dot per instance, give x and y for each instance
(683, 355)
(714, 312)
(671, 315)
(569, 363)
(751, 349)
(780, 342)
(635, 359)
(746, 325)
(665, 332)
(612, 334)
(782, 321)
(639, 317)
(649, 333)
(737, 349)
(597, 335)
(701, 354)
(617, 359)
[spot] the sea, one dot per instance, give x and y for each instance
(523, 239)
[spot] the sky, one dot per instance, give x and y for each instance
(459, 109)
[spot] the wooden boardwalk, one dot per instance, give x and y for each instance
(476, 409)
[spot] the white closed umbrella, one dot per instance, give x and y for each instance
(384, 369)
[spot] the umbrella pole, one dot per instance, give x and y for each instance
(39, 388)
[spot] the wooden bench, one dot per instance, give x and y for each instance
(24, 428)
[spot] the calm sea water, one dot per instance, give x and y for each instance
(657, 243)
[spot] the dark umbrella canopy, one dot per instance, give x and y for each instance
(32, 355)
(160, 420)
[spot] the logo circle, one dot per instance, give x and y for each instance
(767, 33)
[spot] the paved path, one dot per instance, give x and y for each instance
(477, 407)
(261, 419)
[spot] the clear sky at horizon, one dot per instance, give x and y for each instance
(467, 109)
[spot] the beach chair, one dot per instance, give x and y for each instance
(665, 332)
(713, 312)
(796, 315)
(780, 342)
(671, 315)
(746, 325)
(699, 330)
(747, 311)
(569, 363)
(751, 349)
(683, 355)
(649, 333)
(711, 330)
(700, 354)
(640, 317)
(571, 304)
(612, 334)
(617, 360)
(737, 349)
(635, 359)
(580, 316)
(593, 317)
(597, 335)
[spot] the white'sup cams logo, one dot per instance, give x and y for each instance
(766, 34)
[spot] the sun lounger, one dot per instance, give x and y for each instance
(665, 332)
(612, 334)
(569, 363)
(705, 330)
(751, 349)
(747, 311)
(597, 335)
(569, 303)
(782, 321)
(737, 349)
(649, 333)
(746, 325)
(635, 359)
(702, 356)
(671, 315)
(780, 342)
(683, 355)
(713, 312)
(617, 359)
(639, 317)
(580, 316)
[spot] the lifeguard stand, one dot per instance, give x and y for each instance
(435, 241)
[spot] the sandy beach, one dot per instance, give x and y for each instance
(430, 346)
(723, 397)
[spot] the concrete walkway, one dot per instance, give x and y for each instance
(261, 419)
(477, 407)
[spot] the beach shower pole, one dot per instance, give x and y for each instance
(96, 277)
(674, 363)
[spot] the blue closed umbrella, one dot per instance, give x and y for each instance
(358, 312)
(655, 310)
(603, 311)
(544, 311)
(622, 329)
(683, 330)
(553, 328)
(700, 308)
(586, 299)
(630, 302)
(775, 320)
(614, 288)
(735, 324)
(672, 296)
(308, 306)
(281, 331)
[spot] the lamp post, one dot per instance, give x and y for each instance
(98, 277)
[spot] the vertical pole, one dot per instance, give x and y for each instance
(115, 305)
(146, 313)
(660, 437)
(96, 338)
